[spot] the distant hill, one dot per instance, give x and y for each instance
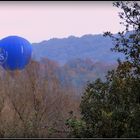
(95, 47)
(76, 60)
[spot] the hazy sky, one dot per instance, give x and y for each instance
(37, 21)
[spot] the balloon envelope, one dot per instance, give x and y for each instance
(15, 52)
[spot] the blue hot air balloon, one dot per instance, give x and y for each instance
(15, 52)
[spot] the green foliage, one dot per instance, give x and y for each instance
(76, 127)
(112, 108)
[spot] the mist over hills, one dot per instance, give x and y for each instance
(95, 47)
(77, 60)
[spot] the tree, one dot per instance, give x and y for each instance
(128, 41)
(112, 108)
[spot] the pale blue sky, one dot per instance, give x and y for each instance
(37, 21)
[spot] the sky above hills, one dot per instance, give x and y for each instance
(37, 21)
